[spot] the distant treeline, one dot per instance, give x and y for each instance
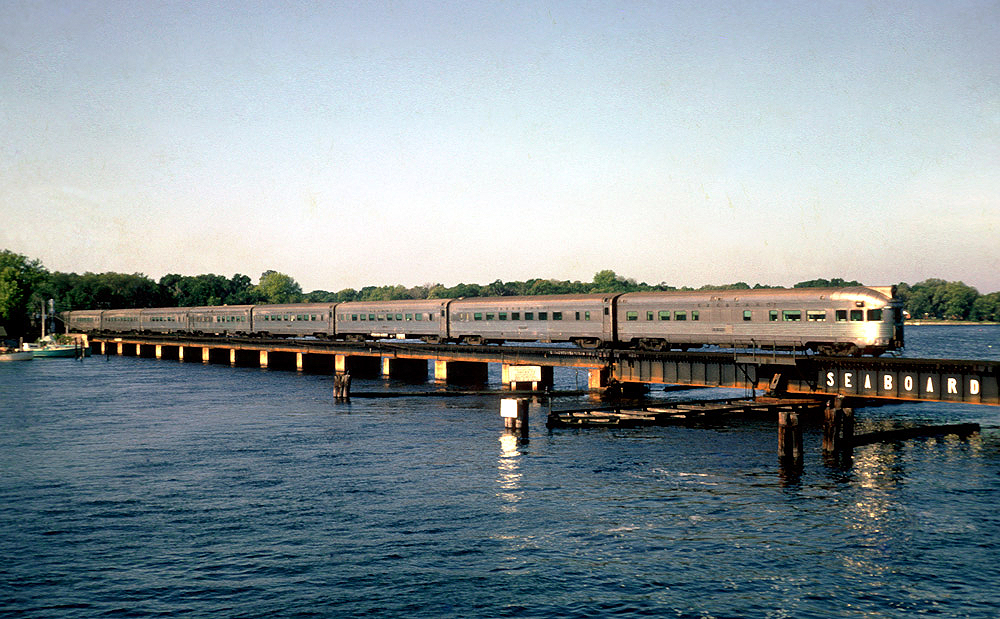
(25, 283)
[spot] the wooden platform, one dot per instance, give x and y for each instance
(699, 411)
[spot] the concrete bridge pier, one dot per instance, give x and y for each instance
(599, 379)
(167, 352)
(461, 372)
(369, 367)
(527, 377)
(405, 369)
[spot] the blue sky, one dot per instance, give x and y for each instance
(368, 143)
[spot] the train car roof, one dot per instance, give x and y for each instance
(412, 302)
(883, 293)
(218, 307)
(267, 306)
(597, 296)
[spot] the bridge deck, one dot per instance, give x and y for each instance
(943, 380)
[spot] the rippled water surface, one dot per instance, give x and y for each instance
(138, 488)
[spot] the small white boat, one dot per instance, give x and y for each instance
(16, 355)
(49, 348)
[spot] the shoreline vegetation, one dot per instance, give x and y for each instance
(26, 285)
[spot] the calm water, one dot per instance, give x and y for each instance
(140, 488)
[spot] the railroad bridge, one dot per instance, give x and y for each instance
(888, 378)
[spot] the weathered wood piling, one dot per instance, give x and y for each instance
(342, 386)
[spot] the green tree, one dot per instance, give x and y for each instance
(608, 281)
(986, 307)
(957, 300)
(275, 287)
(19, 278)
(836, 282)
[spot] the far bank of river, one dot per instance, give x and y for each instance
(924, 323)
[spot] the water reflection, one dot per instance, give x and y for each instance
(508, 472)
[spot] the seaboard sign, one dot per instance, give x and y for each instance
(911, 385)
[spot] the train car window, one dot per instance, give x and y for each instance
(607, 311)
(354, 317)
(578, 315)
(841, 315)
(556, 315)
(747, 315)
(586, 315)
(695, 315)
(664, 314)
(515, 315)
(543, 315)
(875, 315)
(388, 317)
(503, 315)
(490, 316)
(857, 315)
(409, 316)
(477, 316)
(815, 316)
(680, 316)
(371, 316)
(630, 316)
(529, 315)
(649, 315)
(399, 317)
(773, 315)
(791, 315)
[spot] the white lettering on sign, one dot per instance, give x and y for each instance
(831, 379)
(908, 383)
(887, 382)
(868, 381)
(974, 386)
(524, 373)
(930, 385)
(847, 380)
(952, 385)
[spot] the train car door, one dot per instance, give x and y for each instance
(610, 319)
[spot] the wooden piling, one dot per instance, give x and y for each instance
(838, 427)
(514, 412)
(342, 386)
(789, 437)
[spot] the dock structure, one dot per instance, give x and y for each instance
(680, 413)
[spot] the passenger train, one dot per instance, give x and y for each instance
(830, 321)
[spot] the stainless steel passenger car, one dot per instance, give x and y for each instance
(164, 320)
(426, 319)
(586, 320)
(121, 320)
(82, 321)
(294, 319)
(221, 320)
(830, 321)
